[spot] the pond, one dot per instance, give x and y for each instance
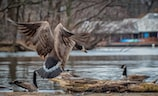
(100, 63)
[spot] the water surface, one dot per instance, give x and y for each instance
(100, 63)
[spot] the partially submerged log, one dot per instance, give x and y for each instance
(144, 87)
(79, 84)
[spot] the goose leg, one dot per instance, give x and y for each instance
(62, 67)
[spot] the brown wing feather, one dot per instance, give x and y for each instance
(63, 34)
(29, 29)
(63, 42)
(81, 38)
(40, 35)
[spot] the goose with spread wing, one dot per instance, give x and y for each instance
(53, 46)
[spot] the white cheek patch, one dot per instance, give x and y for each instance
(53, 68)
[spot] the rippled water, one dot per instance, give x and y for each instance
(21, 65)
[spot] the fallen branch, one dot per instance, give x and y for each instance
(79, 84)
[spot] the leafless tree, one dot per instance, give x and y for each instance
(71, 13)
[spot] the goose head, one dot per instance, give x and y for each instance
(124, 73)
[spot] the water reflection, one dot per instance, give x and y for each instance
(111, 69)
(12, 68)
(103, 67)
(21, 70)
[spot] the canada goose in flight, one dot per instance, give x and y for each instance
(21, 86)
(132, 77)
(54, 46)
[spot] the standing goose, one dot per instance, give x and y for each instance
(132, 77)
(53, 46)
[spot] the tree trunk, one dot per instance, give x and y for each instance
(68, 13)
(13, 13)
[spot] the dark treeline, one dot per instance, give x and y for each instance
(71, 13)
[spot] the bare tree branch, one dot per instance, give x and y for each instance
(18, 4)
(94, 4)
(95, 15)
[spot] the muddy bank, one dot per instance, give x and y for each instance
(76, 94)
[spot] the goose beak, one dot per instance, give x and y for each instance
(83, 49)
(43, 57)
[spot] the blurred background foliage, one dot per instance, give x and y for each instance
(71, 13)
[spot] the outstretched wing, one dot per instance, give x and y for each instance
(40, 35)
(43, 38)
(63, 34)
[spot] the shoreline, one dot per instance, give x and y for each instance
(74, 94)
(100, 51)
